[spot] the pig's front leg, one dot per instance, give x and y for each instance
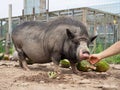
(74, 68)
(56, 59)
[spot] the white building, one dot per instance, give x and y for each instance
(112, 6)
(37, 5)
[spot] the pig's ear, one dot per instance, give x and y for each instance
(70, 34)
(93, 38)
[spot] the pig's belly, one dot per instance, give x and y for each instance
(39, 59)
(37, 55)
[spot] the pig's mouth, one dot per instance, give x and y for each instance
(84, 55)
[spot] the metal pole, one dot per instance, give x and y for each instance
(47, 11)
(1, 34)
(8, 36)
(48, 5)
(10, 19)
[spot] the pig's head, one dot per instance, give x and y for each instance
(79, 43)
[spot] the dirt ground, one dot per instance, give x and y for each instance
(12, 77)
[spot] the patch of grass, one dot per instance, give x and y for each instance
(99, 48)
(2, 47)
(11, 50)
(113, 59)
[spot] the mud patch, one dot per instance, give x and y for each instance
(14, 78)
(95, 75)
(43, 78)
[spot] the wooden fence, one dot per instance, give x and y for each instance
(106, 25)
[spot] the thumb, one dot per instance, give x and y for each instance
(93, 59)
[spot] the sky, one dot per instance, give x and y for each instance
(66, 4)
(17, 5)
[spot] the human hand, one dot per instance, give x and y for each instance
(94, 58)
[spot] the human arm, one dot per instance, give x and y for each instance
(112, 50)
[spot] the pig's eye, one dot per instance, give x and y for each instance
(75, 41)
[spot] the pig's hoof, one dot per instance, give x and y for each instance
(26, 69)
(76, 72)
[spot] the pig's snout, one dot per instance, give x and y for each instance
(84, 54)
(83, 51)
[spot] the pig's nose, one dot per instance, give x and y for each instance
(86, 52)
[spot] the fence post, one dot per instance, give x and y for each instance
(47, 11)
(84, 16)
(34, 18)
(1, 32)
(8, 36)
